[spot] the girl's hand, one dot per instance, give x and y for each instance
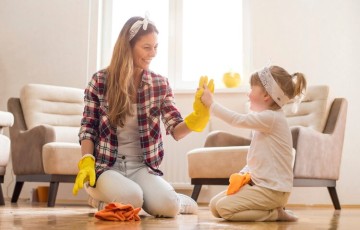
(207, 97)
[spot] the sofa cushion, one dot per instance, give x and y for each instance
(61, 158)
(216, 162)
(313, 110)
(58, 106)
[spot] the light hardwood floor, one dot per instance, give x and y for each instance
(80, 216)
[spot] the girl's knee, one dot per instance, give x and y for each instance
(213, 210)
(223, 211)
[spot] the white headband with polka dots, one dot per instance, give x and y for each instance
(272, 87)
(137, 25)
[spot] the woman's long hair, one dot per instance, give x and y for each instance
(120, 82)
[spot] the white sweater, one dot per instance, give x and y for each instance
(270, 158)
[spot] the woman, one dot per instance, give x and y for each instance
(120, 132)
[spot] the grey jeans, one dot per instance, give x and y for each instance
(129, 182)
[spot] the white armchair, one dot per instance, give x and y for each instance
(44, 140)
(318, 136)
(6, 120)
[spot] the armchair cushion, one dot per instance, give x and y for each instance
(61, 158)
(310, 165)
(59, 107)
(313, 110)
(322, 158)
(216, 162)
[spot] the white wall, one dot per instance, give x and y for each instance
(47, 42)
(54, 42)
(320, 38)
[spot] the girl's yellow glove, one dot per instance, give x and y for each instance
(237, 180)
(86, 173)
(198, 119)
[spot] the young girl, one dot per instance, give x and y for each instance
(269, 160)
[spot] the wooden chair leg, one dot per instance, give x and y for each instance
(17, 191)
(52, 193)
(196, 191)
(334, 198)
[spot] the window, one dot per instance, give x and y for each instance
(201, 37)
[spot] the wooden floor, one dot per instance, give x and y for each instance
(79, 216)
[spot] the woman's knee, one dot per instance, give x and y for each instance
(163, 205)
(113, 187)
(160, 198)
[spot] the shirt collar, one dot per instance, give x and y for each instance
(146, 77)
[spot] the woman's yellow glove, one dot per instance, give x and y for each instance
(198, 119)
(86, 173)
(237, 180)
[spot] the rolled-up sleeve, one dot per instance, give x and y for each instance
(90, 120)
(171, 116)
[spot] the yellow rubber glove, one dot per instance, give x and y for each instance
(86, 173)
(198, 119)
(237, 180)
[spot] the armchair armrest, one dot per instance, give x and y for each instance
(316, 152)
(6, 119)
(27, 146)
(216, 162)
(219, 138)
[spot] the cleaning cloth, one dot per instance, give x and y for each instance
(118, 212)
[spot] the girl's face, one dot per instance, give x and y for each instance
(258, 99)
(145, 50)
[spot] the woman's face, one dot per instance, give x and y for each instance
(145, 50)
(258, 98)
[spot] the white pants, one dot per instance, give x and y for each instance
(129, 182)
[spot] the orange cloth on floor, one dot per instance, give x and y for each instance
(237, 180)
(118, 212)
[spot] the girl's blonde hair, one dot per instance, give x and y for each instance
(292, 85)
(120, 81)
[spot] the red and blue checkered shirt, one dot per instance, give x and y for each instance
(154, 101)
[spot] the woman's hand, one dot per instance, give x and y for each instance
(198, 119)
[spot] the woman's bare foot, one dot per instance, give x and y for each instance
(286, 215)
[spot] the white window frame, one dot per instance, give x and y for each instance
(104, 48)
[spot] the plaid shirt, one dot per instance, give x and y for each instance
(154, 100)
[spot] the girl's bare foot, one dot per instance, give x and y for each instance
(286, 215)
